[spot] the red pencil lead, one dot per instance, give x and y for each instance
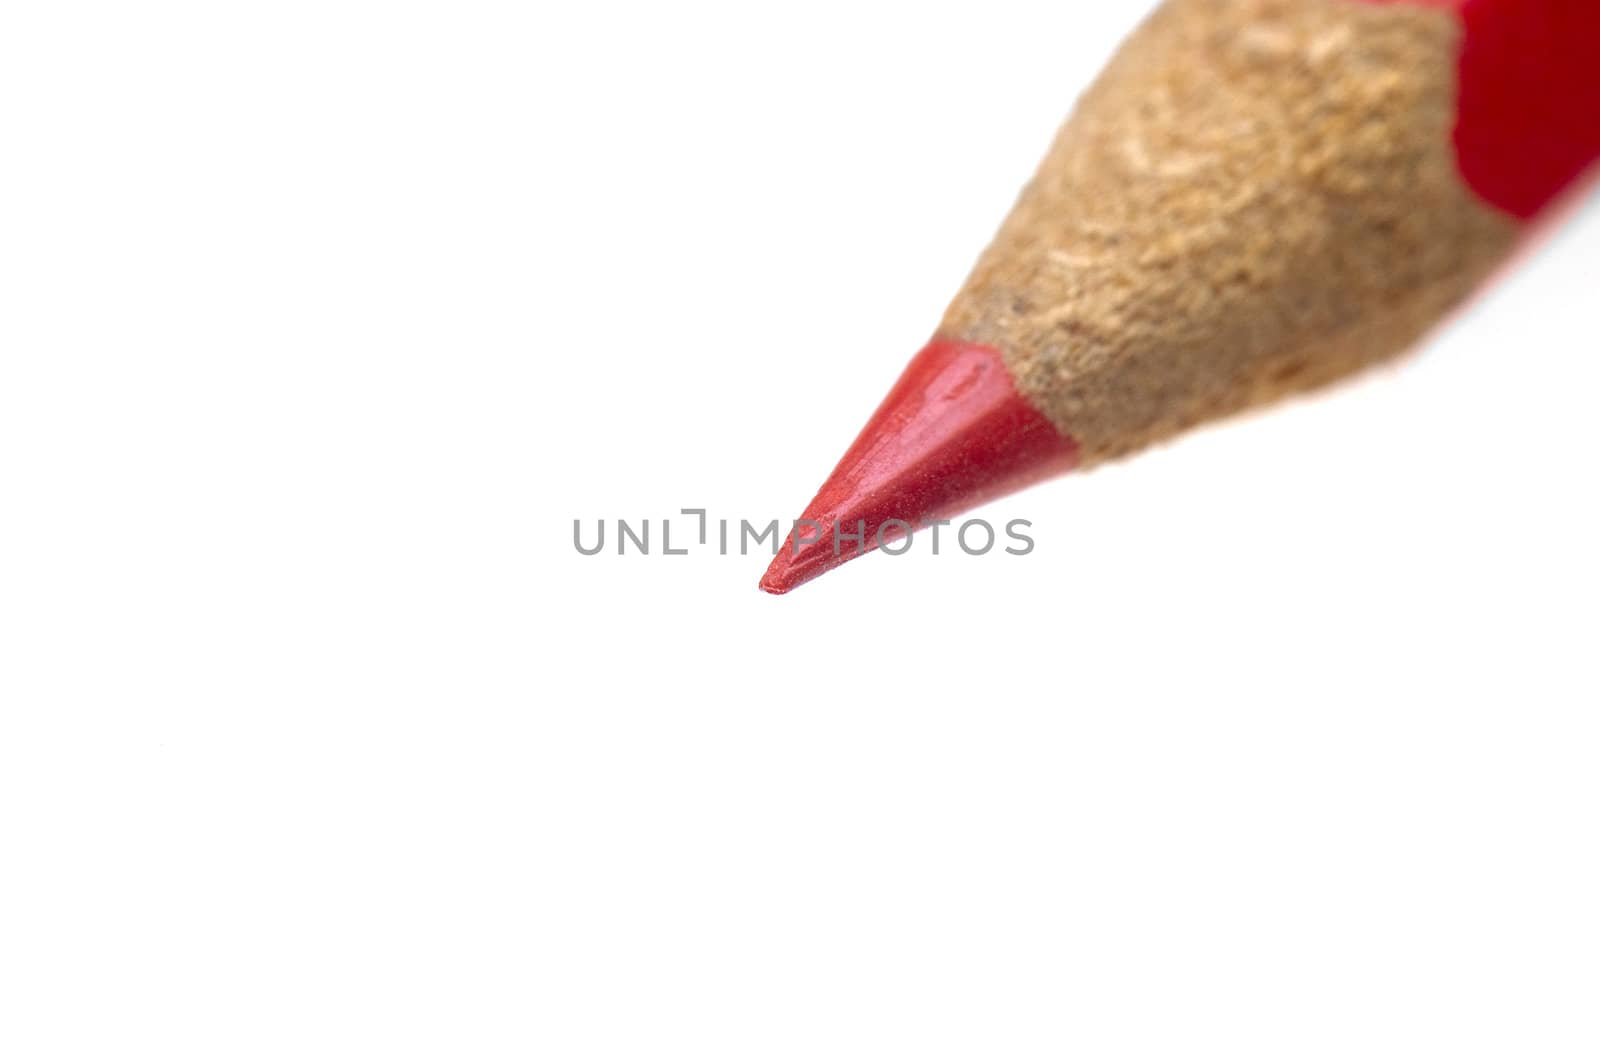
(952, 434)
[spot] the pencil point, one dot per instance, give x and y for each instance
(952, 434)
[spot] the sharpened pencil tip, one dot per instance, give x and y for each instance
(952, 434)
(773, 583)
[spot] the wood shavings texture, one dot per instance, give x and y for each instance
(1257, 197)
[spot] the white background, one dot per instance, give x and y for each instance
(320, 323)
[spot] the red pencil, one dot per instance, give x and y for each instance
(1257, 197)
